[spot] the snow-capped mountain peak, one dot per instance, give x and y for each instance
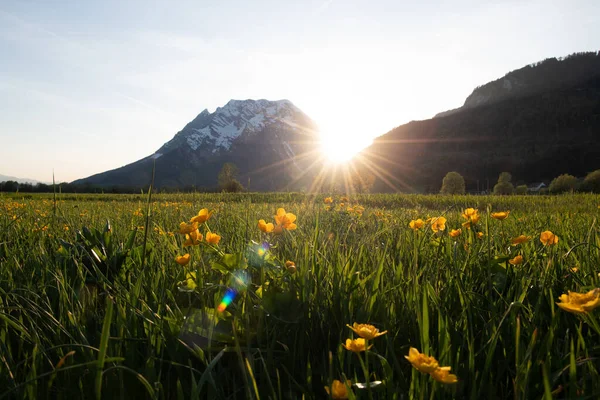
(216, 132)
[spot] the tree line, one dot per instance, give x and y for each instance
(454, 183)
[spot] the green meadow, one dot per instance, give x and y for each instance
(93, 303)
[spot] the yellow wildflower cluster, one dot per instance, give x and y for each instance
(193, 237)
(429, 365)
(366, 332)
(283, 220)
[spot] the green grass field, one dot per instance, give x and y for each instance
(96, 310)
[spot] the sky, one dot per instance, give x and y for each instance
(88, 86)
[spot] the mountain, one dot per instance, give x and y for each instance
(269, 141)
(6, 178)
(549, 75)
(536, 123)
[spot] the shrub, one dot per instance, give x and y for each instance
(521, 189)
(591, 183)
(453, 183)
(563, 183)
(504, 187)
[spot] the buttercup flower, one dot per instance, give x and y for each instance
(264, 226)
(548, 238)
(455, 233)
(517, 260)
(212, 238)
(443, 375)
(520, 239)
(193, 239)
(328, 200)
(421, 362)
(290, 266)
(366, 331)
(187, 228)
(480, 235)
(580, 303)
(338, 389)
(500, 215)
(284, 221)
(356, 345)
(182, 260)
(472, 216)
(416, 224)
(203, 216)
(438, 224)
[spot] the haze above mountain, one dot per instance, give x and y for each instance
(6, 178)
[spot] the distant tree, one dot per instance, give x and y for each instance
(227, 178)
(362, 181)
(591, 183)
(563, 183)
(521, 189)
(453, 183)
(10, 186)
(505, 177)
(504, 186)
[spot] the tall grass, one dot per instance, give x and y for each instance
(82, 317)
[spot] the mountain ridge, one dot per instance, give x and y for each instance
(236, 132)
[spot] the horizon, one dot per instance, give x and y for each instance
(88, 88)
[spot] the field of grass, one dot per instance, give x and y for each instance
(97, 309)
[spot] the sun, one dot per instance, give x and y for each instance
(338, 149)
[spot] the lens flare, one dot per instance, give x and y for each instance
(238, 282)
(227, 299)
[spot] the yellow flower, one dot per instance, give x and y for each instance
(328, 200)
(455, 233)
(343, 198)
(291, 266)
(517, 260)
(500, 215)
(212, 238)
(265, 227)
(187, 228)
(548, 238)
(182, 260)
(480, 235)
(422, 362)
(366, 331)
(438, 224)
(203, 216)
(416, 224)
(443, 375)
(193, 239)
(472, 217)
(338, 389)
(284, 221)
(356, 345)
(580, 303)
(520, 239)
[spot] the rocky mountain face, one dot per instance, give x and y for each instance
(546, 76)
(536, 123)
(271, 142)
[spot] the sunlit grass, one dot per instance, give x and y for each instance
(97, 316)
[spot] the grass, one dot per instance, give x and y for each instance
(90, 309)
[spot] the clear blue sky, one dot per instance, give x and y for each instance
(87, 86)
